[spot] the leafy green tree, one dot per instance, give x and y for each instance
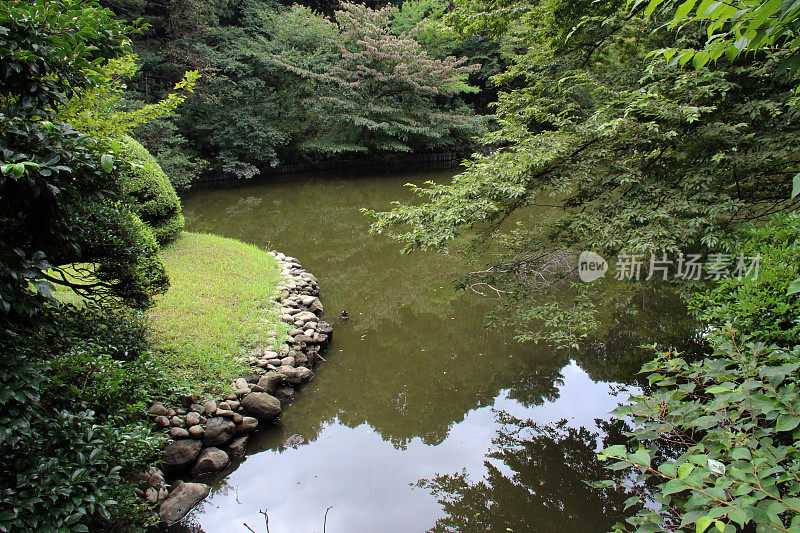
(62, 203)
(237, 117)
(180, 162)
(101, 112)
(250, 111)
(381, 93)
(759, 305)
(60, 197)
(733, 28)
(643, 157)
(425, 22)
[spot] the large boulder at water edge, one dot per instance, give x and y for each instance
(181, 501)
(262, 406)
(210, 460)
(269, 381)
(181, 453)
(218, 431)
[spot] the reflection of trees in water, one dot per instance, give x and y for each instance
(411, 394)
(536, 474)
(647, 316)
(407, 397)
(535, 482)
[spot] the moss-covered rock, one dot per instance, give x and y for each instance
(154, 196)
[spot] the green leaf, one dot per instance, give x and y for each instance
(738, 516)
(703, 523)
(796, 185)
(718, 388)
(684, 9)
(794, 288)
(618, 450)
(741, 453)
(18, 170)
(787, 422)
(672, 486)
(107, 162)
(668, 469)
(640, 458)
(651, 6)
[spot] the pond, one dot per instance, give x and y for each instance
(422, 418)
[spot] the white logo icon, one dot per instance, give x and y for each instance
(591, 267)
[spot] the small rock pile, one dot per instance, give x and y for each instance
(206, 436)
(151, 483)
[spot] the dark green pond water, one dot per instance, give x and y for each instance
(421, 418)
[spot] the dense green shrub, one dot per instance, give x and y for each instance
(60, 197)
(716, 442)
(155, 199)
(759, 305)
(106, 365)
(69, 478)
(73, 422)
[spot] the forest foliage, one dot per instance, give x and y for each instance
(286, 84)
(602, 115)
(643, 156)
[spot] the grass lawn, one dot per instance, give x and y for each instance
(216, 309)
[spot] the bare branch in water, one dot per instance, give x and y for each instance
(534, 269)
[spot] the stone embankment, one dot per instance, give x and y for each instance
(205, 436)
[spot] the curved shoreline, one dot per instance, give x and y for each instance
(206, 436)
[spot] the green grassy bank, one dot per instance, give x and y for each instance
(216, 309)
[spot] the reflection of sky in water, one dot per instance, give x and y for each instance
(368, 481)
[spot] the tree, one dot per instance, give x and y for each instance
(100, 111)
(251, 112)
(61, 203)
(733, 28)
(643, 157)
(424, 21)
(60, 197)
(384, 92)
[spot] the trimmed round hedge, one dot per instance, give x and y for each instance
(156, 202)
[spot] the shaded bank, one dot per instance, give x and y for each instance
(380, 163)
